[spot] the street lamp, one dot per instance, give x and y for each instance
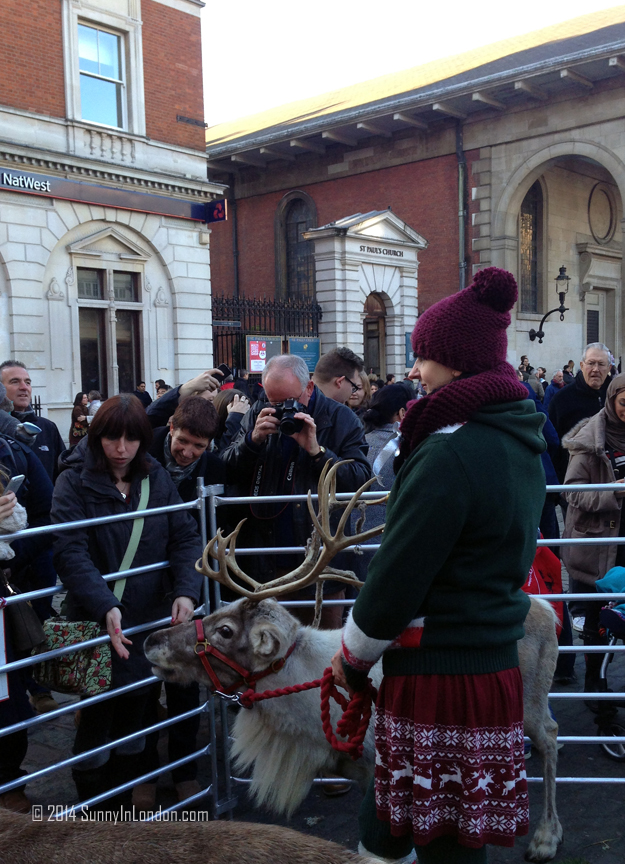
(562, 287)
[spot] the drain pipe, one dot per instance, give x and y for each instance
(462, 191)
(232, 206)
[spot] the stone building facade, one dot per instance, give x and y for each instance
(104, 251)
(511, 155)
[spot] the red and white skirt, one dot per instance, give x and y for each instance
(449, 757)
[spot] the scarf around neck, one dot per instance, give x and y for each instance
(614, 428)
(176, 472)
(457, 401)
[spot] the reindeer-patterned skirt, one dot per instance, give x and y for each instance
(449, 757)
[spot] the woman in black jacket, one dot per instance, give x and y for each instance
(104, 476)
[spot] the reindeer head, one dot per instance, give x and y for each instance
(253, 634)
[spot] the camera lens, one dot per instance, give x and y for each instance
(288, 425)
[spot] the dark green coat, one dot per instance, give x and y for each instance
(460, 538)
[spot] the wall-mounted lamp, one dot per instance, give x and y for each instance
(562, 287)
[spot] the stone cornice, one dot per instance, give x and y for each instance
(92, 170)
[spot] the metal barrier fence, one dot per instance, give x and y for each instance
(210, 498)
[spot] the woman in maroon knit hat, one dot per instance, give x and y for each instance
(442, 603)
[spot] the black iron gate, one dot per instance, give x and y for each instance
(235, 318)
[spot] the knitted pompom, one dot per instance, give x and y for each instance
(495, 287)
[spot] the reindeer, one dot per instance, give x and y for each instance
(482, 782)
(281, 740)
(456, 777)
(82, 841)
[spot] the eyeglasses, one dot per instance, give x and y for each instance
(355, 387)
(599, 364)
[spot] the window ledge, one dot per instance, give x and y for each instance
(529, 316)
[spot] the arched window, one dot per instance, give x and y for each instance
(300, 259)
(531, 250)
(295, 259)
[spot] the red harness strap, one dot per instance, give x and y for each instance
(203, 648)
(356, 713)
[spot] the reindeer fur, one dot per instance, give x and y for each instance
(82, 842)
(282, 740)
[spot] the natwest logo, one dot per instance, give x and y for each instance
(22, 181)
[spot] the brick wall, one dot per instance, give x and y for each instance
(424, 194)
(31, 56)
(172, 64)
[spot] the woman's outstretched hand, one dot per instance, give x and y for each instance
(114, 629)
(182, 610)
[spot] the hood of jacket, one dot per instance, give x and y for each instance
(519, 419)
(587, 436)
(74, 458)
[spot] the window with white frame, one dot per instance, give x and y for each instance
(100, 61)
(103, 63)
(110, 345)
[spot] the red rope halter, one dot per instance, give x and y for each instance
(356, 711)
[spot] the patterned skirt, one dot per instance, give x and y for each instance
(449, 757)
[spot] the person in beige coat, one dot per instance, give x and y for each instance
(596, 449)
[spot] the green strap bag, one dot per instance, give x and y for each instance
(133, 543)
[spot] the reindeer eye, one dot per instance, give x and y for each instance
(225, 631)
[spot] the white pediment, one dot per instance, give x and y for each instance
(379, 225)
(106, 243)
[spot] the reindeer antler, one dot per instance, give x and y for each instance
(320, 549)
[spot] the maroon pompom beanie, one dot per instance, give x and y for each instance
(467, 331)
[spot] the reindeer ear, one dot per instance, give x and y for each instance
(265, 639)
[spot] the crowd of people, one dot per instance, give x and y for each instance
(465, 444)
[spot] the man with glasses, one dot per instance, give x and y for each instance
(267, 459)
(336, 374)
(584, 398)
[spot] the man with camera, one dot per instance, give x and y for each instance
(281, 449)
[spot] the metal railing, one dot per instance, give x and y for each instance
(210, 498)
(216, 499)
(206, 706)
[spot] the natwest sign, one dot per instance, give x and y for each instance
(107, 196)
(25, 181)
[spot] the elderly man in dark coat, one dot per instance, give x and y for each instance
(267, 460)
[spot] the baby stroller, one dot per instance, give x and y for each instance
(613, 622)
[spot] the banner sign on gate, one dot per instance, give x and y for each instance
(307, 348)
(260, 349)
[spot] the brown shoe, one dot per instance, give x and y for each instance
(186, 789)
(144, 796)
(43, 702)
(333, 790)
(16, 801)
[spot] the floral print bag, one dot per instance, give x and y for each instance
(86, 672)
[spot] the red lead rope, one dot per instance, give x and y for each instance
(356, 712)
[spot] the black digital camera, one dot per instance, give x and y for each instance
(285, 412)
